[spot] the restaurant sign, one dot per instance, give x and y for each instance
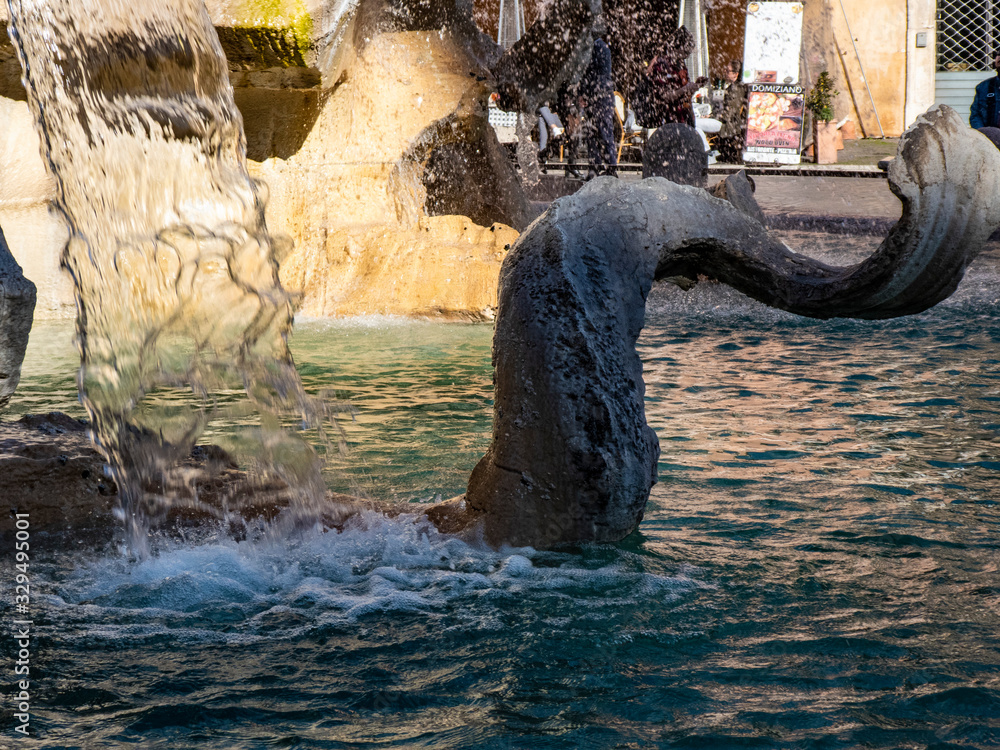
(774, 123)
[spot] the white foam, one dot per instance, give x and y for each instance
(278, 589)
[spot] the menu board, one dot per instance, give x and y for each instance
(774, 123)
(771, 54)
(773, 42)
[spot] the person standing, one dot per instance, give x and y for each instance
(733, 116)
(597, 90)
(985, 111)
(666, 87)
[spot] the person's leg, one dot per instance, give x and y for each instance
(593, 127)
(602, 147)
(543, 135)
(572, 138)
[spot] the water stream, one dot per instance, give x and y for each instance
(174, 270)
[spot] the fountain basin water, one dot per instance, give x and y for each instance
(817, 565)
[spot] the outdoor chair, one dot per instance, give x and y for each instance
(631, 132)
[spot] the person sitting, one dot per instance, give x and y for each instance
(550, 130)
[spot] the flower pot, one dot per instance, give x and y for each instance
(825, 140)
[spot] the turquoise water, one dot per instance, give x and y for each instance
(818, 566)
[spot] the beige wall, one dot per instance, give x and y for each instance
(899, 74)
(879, 31)
(874, 42)
(920, 61)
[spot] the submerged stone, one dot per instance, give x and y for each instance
(17, 306)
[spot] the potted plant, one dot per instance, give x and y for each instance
(820, 103)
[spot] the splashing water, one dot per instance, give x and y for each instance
(527, 153)
(176, 275)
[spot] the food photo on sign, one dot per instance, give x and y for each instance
(774, 122)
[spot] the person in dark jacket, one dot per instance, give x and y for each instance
(568, 109)
(985, 111)
(597, 92)
(664, 92)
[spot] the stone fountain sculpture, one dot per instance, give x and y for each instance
(420, 200)
(17, 305)
(572, 458)
(175, 273)
(367, 120)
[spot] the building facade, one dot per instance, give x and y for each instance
(891, 59)
(968, 32)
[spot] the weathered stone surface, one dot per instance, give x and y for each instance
(366, 159)
(676, 153)
(738, 190)
(17, 307)
(401, 137)
(572, 458)
(50, 469)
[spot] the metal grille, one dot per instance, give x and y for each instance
(967, 33)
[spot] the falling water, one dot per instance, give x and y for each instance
(175, 272)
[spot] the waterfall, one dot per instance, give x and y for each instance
(181, 317)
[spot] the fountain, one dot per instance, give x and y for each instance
(174, 271)
(177, 282)
(818, 569)
(572, 457)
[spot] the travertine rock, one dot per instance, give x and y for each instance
(17, 307)
(355, 114)
(353, 195)
(446, 266)
(50, 469)
(401, 141)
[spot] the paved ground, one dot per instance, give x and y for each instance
(850, 196)
(867, 151)
(829, 202)
(829, 195)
